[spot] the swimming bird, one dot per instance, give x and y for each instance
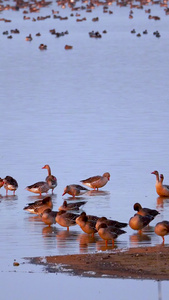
(38, 187)
(39, 206)
(145, 211)
(109, 233)
(49, 216)
(74, 190)
(162, 229)
(10, 184)
(66, 219)
(97, 182)
(138, 222)
(71, 206)
(50, 179)
(161, 189)
(109, 222)
(87, 223)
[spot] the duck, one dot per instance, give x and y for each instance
(49, 217)
(38, 187)
(97, 182)
(109, 222)
(109, 233)
(74, 190)
(162, 229)
(50, 179)
(138, 222)
(1, 182)
(66, 219)
(87, 223)
(145, 211)
(29, 38)
(10, 184)
(71, 206)
(39, 206)
(161, 189)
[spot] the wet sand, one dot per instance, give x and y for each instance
(135, 263)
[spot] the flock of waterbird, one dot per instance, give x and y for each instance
(106, 228)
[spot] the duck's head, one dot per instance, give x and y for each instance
(45, 167)
(137, 206)
(107, 175)
(154, 172)
(66, 190)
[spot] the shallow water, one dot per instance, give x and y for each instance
(103, 106)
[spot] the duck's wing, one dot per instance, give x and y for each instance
(36, 185)
(79, 187)
(91, 179)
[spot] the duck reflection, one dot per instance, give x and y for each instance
(98, 193)
(65, 237)
(33, 198)
(86, 239)
(138, 238)
(101, 246)
(161, 201)
(10, 197)
(49, 231)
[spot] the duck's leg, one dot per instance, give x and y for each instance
(106, 243)
(163, 240)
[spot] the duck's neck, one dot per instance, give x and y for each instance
(49, 170)
(157, 178)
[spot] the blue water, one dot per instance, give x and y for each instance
(100, 107)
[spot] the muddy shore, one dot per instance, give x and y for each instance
(135, 263)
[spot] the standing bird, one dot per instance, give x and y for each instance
(138, 222)
(162, 229)
(66, 219)
(50, 179)
(145, 211)
(71, 206)
(49, 216)
(161, 189)
(97, 182)
(109, 222)
(74, 190)
(10, 184)
(39, 187)
(39, 206)
(109, 233)
(87, 223)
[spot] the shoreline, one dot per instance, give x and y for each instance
(134, 263)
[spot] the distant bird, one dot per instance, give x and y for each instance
(87, 223)
(138, 222)
(38, 187)
(66, 219)
(161, 189)
(109, 222)
(71, 206)
(109, 233)
(145, 211)
(162, 229)
(49, 216)
(39, 206)
(97, 182)
(29, 38)
(50, 179)
(10, 184)
(74, 190)
(1, 182)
